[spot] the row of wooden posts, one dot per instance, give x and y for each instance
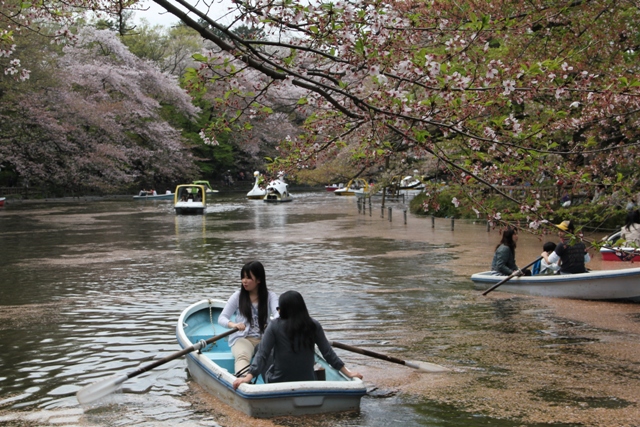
(362, 208)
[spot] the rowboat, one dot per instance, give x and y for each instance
(147, 196)
(190, 199)
(609, 285)
(278, 191)
(620, 253)
(212, 368)
(257, 192)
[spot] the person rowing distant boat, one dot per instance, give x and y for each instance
(504, 258)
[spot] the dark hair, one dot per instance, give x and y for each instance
(298, 325)
(570, 228)
(256, 269)
(633, 217)
(549, 247)
(507, 238)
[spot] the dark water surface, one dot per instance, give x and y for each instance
(93, 288)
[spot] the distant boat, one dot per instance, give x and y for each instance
(406, 183)
(190, 199)
(2, 199)
(257, 192)
(145, 195)
(207, 186)
(333, 187)
(618, 253)
(357, 185)
(277, 191)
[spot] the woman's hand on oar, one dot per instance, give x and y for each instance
(512, 275)
(421, 366)
(110, 384)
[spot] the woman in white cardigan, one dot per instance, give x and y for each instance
(252, 305)
(631, 231)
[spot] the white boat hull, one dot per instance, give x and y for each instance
(337, 393)
(189, 208)
(168, 196)
(257, 192)
(609, 285)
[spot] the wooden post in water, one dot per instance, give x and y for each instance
(389, 214)
(488, 226)
(433, 221)
(452, 220)
(405, 216)
(382, 211)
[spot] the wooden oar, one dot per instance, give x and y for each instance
(509, 277)
(422, 366)
(108, 385)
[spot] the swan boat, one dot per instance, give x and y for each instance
(212, 368)
(618, 253)
(277, 191)
(257, 192)
(607, 285)
(190, 199)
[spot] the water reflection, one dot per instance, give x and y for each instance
(95, 288)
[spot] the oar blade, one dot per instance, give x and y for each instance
(426, 366)
(100, 389)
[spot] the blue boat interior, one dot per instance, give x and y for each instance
(203, 325)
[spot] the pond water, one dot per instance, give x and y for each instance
(89, 288)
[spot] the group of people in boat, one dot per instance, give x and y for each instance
(561, 258)
(195, 196)
(276, 336)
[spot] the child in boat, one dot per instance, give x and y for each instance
(252, 305)
(546, 267)
(291, 339)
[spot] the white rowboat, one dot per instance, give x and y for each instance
(609, 285)
(212, 367)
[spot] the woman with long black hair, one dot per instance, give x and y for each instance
(292, 338)
(504, 258)
(252, 304)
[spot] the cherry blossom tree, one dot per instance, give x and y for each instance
(497, 91)
(100, 126)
